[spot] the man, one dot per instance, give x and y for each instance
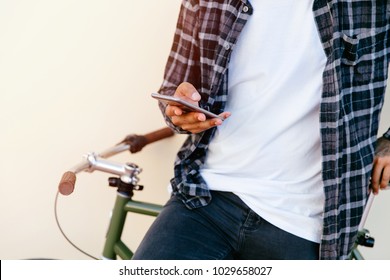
(287, 174)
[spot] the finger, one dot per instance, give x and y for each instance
(187, 92)
(188, 118)
(225, 115)
(376, 175)
(127, 139)
(381, 173)
(196, 122)
(385, 178)
(172, 110)
(202, 126)
(194, 117)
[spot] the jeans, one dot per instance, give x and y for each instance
(226, 229)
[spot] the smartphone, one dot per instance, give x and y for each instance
(182, 103)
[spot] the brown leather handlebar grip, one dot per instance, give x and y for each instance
(66, 185)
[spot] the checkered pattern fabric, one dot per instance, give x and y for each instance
(355, 37)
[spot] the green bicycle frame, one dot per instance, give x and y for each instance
(363, 239)
(114, 247)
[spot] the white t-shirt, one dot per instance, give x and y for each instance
(268, 152)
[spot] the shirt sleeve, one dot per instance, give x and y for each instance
(183, 63)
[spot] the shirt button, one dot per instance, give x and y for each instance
(245, 9)
(226, 46)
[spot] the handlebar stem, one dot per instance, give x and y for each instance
(128, 172)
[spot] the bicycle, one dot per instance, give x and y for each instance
(364, 237)
(126, 181)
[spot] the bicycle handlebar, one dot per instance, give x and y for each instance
(367, 208)
(94, 162)
(67, 183)
(114, 150)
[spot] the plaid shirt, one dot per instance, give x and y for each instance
(355, 37)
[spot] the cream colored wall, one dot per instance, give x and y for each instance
(75, 76)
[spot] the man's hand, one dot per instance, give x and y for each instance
(381, 170)
(136, 142)
(193, 122)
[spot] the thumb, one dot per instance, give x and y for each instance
(188, 92)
